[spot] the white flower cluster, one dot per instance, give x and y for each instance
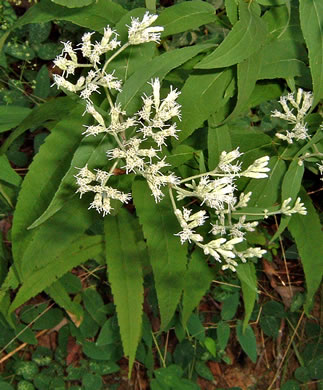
(139, 141)
(138, 32)
(298, 207)
(301, 104)
(103, 193)
(216, 189)
(141, 32)
(221, 249)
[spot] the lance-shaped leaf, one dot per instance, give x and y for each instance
(308, 235)
(247, 75)
(137, 84)
(283, 59)
(96, 16)
(248, 279)
(265, 192)
(78, 252)
(7, 173)
(91, 151)
(167, 255)
(185, 16)
(311, 15)
(123, 255)
(290, 189)
(246, 37)
(197, 280)
(202, 95)
(73, 3)
(52, 110)
(39, 186)
(11, 116)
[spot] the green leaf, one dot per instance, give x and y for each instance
(203, 371)
(195, 327)
(108, 333)
(12, 116)
(125, 276)
(21, 52)
(137, 84)
(73, 3)
(94, 304)
(283, 22)
(265, 192)
(223, 334)
(49, 50)
(197, 280)
(290, 189)
(311, 15)
(39, 32)
(39, 185)
(42, 83)
(307, 233)
(54, 109)
(230, 306)
(271, 3)
(95, 16)
(159, 226)
(58, 293)
(91, 151)
(219, 140)
(291, 385)
(248, 279)
(91, 381)
(7, 173)
(232, 10)
(78, 252)
(207, 92)
(247, 74)
(185, 16)
(283, 59)
(246, 37)
(247, 340)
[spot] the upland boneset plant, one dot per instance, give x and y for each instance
(140, 142)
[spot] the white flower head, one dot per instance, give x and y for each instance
(141, 32)
(301, 105)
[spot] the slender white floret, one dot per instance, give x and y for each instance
(258, 169)
(92, 111)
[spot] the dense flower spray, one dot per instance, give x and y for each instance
(140, 140)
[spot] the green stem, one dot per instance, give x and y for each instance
(122, 48)
(210, 173)
(111, 170)
(158, 350)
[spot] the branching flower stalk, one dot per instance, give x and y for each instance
(140, 140)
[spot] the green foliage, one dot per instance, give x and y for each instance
(125, 275)
(307, 233)
(159, 226)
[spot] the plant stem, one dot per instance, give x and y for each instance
(122, 48)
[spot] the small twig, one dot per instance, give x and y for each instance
(28, 326)
(286, 352)
(166, 346)
(22, 346)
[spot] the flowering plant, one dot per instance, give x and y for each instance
(151, 125)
